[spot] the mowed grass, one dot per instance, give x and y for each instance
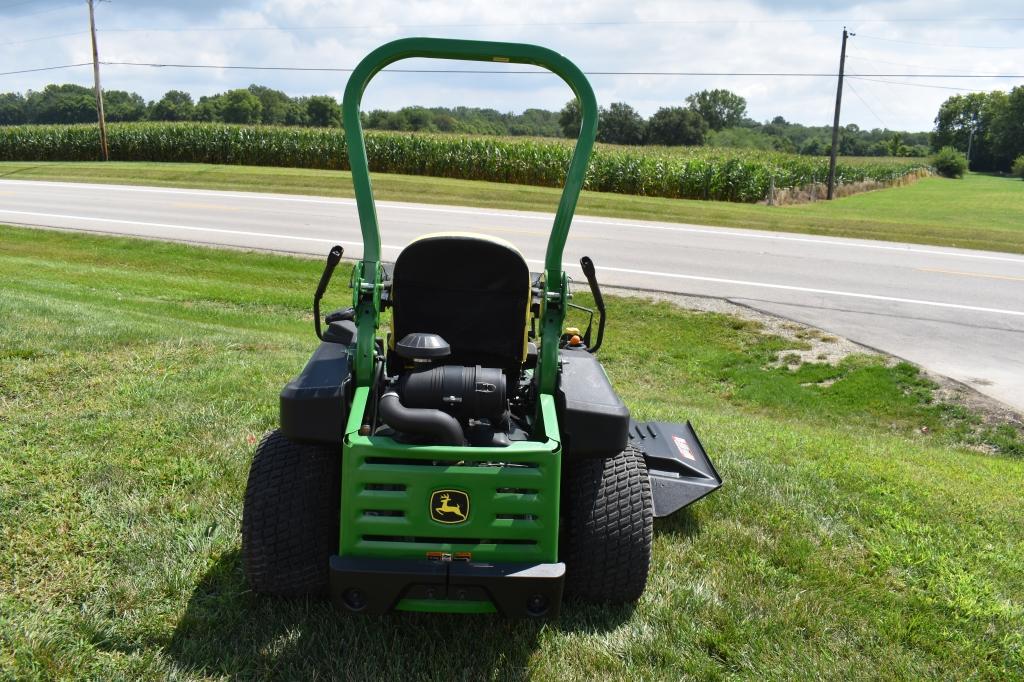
(135, 378)
(977, 212)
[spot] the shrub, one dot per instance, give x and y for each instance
(1017, 169)
(950, 163)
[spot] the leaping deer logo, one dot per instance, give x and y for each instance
(444, 510)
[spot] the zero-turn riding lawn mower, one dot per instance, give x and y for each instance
(477, 459)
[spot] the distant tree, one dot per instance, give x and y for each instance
(535, 122)
(894, 146)
(741, 137)
(323, 111)
(209, 108)
(620, 124)
(445, 123)
(119, 105)
(417, 118)
(991, 124)
(241, 106)
(570, 119)
(61, 104)
(1008, 128)
(274, 104)
(297, 113)
(175, 105)
(814, 147)
(957, 116)
(720, 108)
(376, 119)
(12, 109)
(676, 126)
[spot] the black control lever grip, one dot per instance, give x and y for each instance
(333, 258)
(587, 265)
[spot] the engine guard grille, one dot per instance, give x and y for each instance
(482, 504)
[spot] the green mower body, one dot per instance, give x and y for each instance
(476, 458)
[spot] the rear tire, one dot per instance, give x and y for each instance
(609, 528)
(290, 517)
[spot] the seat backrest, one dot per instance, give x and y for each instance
(473, 291)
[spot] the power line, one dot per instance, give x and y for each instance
(912, 66)
(864, 102)
(944, 45)
(875, 77)
(652, 22)
(880, 102)
(759, 74)
(914, 85)
(37, 39)
(45, 68)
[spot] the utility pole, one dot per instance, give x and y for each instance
(99, 90)
(835, 121)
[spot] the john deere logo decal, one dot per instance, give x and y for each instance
(449, 506)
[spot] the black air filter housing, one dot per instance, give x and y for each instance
(463, 392)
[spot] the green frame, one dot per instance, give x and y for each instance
(367, 276)
(384, 484)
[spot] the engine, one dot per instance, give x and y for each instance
(446, 404)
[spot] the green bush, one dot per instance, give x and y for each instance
(950, 163)
(1017, 169)
(675, 172)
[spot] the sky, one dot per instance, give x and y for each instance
(896, 37)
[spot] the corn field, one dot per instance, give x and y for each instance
(680, 172)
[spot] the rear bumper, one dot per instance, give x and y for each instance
(516, 590)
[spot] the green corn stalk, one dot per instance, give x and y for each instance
(741, 175)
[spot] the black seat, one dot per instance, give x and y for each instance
(473, 291)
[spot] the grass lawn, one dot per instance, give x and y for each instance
(848, 542)
(978, 212)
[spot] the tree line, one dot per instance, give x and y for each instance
(988, 127)
(255, 104)
(719, 118)
(709, 117)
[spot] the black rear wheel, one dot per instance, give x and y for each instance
(290, 517)
(609, 527)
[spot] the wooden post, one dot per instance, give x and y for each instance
(835, 121)
(99, 90)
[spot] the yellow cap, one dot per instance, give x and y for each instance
(572, 331)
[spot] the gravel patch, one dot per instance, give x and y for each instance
(823, 346)
(827, 347)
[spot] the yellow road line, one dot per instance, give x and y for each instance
(1009, 278)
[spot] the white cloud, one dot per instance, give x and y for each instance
(677, 35)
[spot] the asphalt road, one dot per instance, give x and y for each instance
(956, 312)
